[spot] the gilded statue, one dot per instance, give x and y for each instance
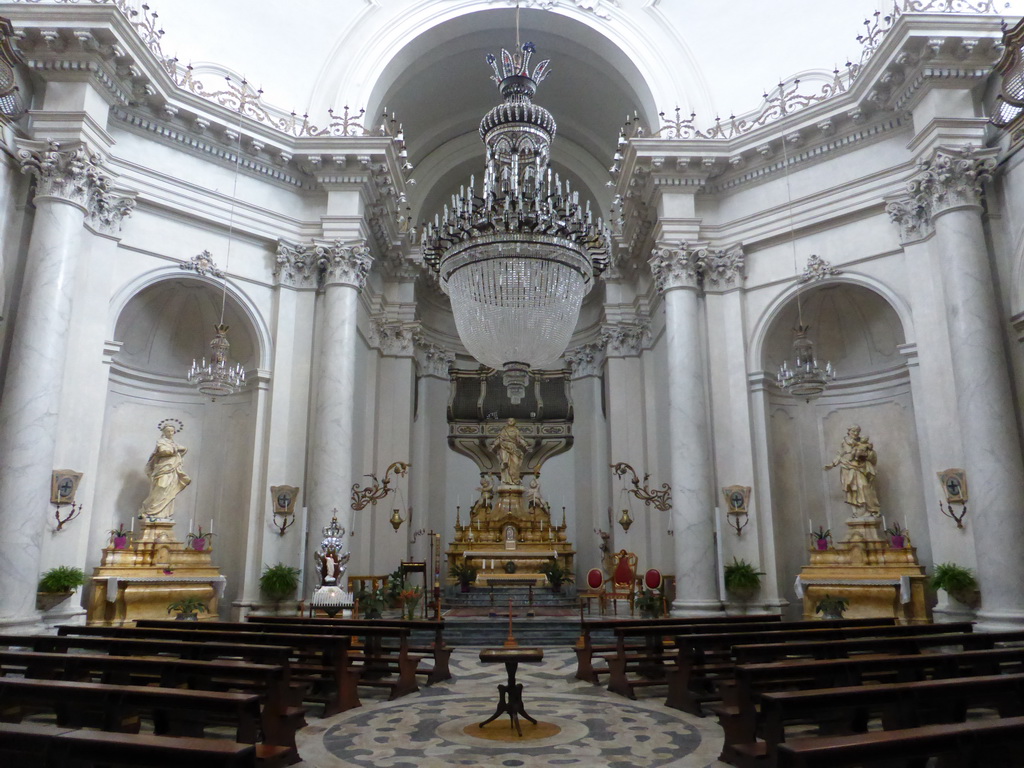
(535, 502)
(856, 461)
(510, 447)
(483, 504)
(166, 477)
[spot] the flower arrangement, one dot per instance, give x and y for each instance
(897, 536)
(119, 536)
(198, 541)
(832, 607)
(821, 538)
(411, 598)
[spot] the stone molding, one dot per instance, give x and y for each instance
(393, 337)
(432, 359)
(953, 177)
(697, 266)
(296, 266)
(626, 338)
(76, 175)
(587, 359)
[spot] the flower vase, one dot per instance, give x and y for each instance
(822, 544)
(410, 611)
(898, 542)
(120, 542)
(198, 544)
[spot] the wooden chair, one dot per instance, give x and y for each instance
(622, 584)
(654, 582)
(595, 589)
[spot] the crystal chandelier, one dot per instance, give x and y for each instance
(516, 258)
(804, 379)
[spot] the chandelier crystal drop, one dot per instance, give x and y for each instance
(804, 379)
(217, 377)
(517, 256)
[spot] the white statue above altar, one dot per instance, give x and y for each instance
(857, 473)
(510, 447)
(166, 477)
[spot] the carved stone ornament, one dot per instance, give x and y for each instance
(628, 338)
(689, 266)
(911, 216)
(586, 359)
(296, 266)
(393, 337)
(75, 175)
(202, 264)
(674, 267)
(951, 178)
(432, 359)
(818, 269)
(344, 263)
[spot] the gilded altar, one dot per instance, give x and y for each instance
(141, 580)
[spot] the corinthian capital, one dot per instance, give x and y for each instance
(912, 216)
(586, 359)
(344, 263)
(107, 208)
(627, 338)
(720, 266)
(693, 266)
(296, 265)
(952, 177)
(70, 174)
(432, 359)
(393, 337)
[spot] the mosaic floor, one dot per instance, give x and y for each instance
(580, 725)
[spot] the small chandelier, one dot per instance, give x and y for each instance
(804, 379)
(218, 376)
(517, 257)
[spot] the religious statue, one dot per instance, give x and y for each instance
(856, 461)
(511, 447)
(331, 566)
(166, 477)
(483, 505)
(534, 501)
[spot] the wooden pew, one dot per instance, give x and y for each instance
(53, 746)
(320, 659)
(437, 649)
(975, 744)
(703, 659)
(898, 705)
(739, 715)
(280, 714)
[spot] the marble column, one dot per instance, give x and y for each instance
(678, 272)
(69, 183)
(950, 185)
(344, 268)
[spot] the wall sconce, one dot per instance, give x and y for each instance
(662, 500)
(625, 520)
(63, 487)
(737, 497)
(363, 497)
(396, 519)
(284, 497)
(954, 485)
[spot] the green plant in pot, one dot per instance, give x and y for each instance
(957, 581)
(279, 582)
(187, 609)
(394, 587)
(650, 602)
(556, 574)
(742, 580)
(371, 602)
(464, 573)
(832, 607)
(57, 585)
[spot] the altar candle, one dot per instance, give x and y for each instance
(133, 524)
(211, 525)
(884, 526)
(191, 520)
(810, 525)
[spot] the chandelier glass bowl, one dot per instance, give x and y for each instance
(517, 257)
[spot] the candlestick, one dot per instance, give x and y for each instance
(211, 525)
(133, 524)
(810, 525)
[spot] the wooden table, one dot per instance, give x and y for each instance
(510, 696)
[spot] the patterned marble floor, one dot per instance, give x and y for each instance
(429, 729)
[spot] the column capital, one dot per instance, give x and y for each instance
(343, 263)
(626, 338)
(697, 266)
(432, 359)
(953, 177)
(393, 338)
(587, 359)
(296, 266)
(912, 217)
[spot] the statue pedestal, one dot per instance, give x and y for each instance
(878, 580)
(139, 582)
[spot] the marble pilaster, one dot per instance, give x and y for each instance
(344, 269)
(679, 276)
(68, 183)
(951, 183)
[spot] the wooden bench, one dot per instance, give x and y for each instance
(586, 649)
(280, 714)
(739, 713)
(53, 746)
(322, 660)
(702, 660)
(976, 744)
(437, 649)
(898, 705)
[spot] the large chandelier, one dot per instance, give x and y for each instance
(805, 378)
(517, 258)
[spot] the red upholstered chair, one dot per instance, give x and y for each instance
(595, 589)
(653, 581)
(622, 585)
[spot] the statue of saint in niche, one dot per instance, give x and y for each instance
(856, 461)
(166, 477)
(510, 447)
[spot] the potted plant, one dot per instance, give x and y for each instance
(371, 603)
(958, 582)
(279, 582)
(119, 537)
(821, 538)
(650, 602)
(394, 588)
(831, 607)
(897, 536)
(742, 579)
(188, 608)
(57, 585)
(464, 573)
(556, 574)
(198, 541)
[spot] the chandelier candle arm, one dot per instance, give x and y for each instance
(517, 257)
